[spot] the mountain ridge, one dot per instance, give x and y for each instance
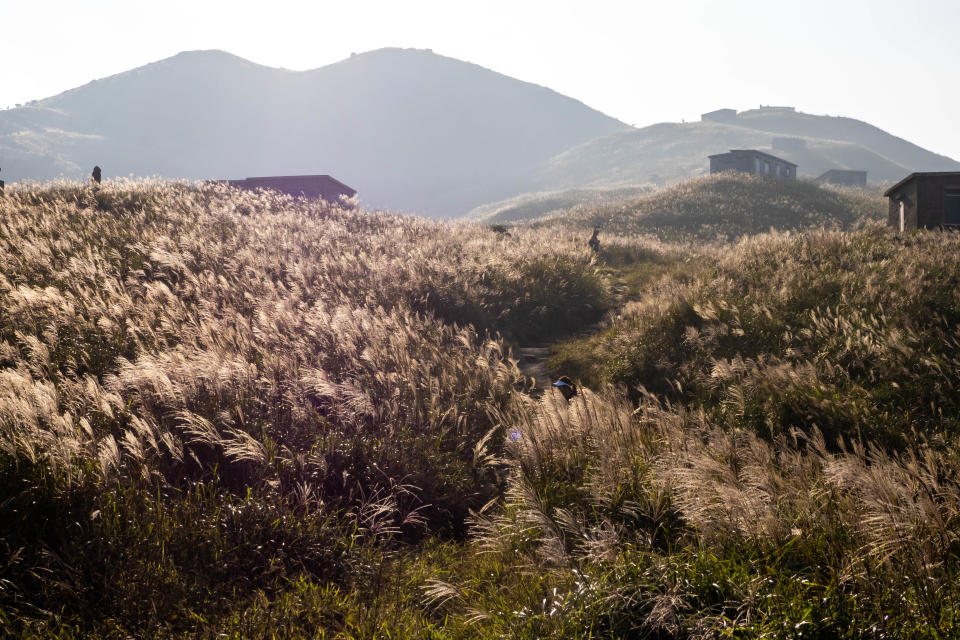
(410, 129)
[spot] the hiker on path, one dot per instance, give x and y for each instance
(595, 239)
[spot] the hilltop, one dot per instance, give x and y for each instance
(671, 151)
(719, 207)
(409, 129)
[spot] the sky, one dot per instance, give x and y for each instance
(892, 63)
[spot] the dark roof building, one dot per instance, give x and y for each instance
(754, 162)
(720, 115)
(321, 187)
(845, 177)
(925, 201)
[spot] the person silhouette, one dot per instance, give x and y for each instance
(1, 185)
(595, 239)
(95, 176)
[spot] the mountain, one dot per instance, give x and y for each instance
(672, 151)
(410, 130)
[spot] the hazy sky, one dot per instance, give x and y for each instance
(893, 63)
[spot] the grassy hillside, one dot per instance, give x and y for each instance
(851, 333)
(237, 415)
(726, 206)
(785, 465)
(206, 394)
(530, 206)
(672, 151)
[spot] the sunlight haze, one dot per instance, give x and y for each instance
(639, 62)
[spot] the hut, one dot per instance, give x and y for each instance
(720, 115)
(929, 200)
(753, 162)
(789, 144)
(845, 177)
(321, 187)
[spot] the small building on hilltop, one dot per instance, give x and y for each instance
(788, 144)
(720, 115)
(929, 200)
(322, 187)
(845, 177)
(753, 162)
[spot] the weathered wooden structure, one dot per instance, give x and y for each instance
(720, 115)
(929, 200)
(753, 162)
(846, 177)
(321, 187)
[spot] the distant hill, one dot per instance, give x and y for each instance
(672, 151)
(409, 129)
(726, 207)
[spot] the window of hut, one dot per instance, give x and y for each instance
(951, 207)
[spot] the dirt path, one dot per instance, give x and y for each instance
(532, 359)
(533, 364)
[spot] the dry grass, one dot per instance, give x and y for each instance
(725, 207)
(240, 414)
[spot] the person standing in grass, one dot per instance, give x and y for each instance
(95, 176)
(595, 239)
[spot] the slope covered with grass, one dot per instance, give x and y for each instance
(727, 206)
(851, 333)
(778, 458)
(530, 206)
(205, 395)
(239, 415)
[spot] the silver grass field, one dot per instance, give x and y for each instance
(229, 414)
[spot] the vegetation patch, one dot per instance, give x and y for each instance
(725, 207)
(239, 415)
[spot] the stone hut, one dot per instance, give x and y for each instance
(928, 200)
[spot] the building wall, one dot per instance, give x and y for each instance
(908, 195)
(732, 162)
(752, 163)
(930, 194)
